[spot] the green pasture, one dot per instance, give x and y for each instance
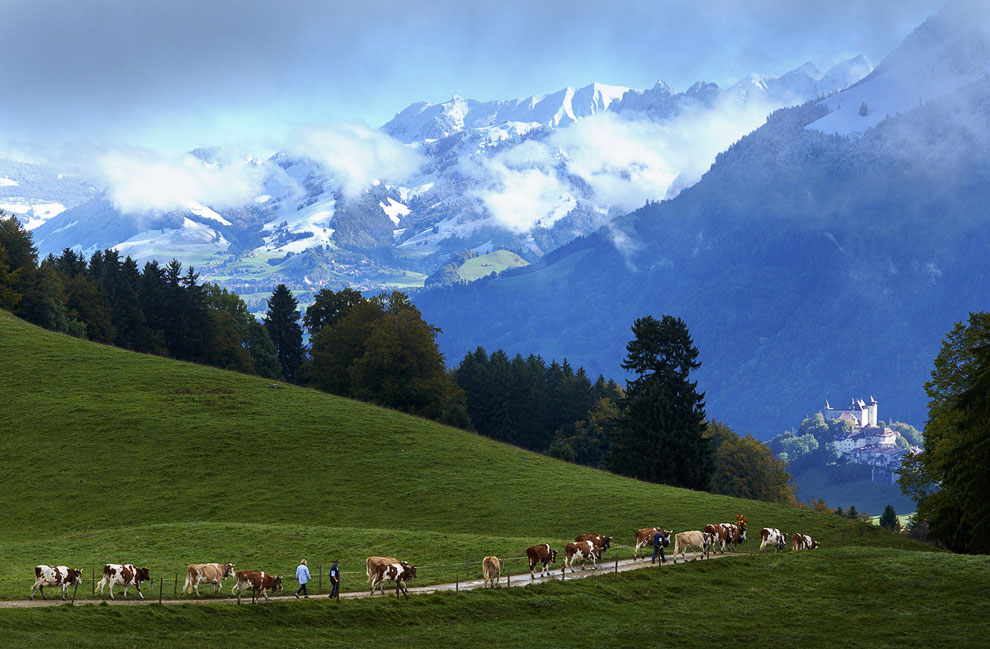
(496, 262)
(112, 456)
(849, 597)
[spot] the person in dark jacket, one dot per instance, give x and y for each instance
(658, 543)
(335, 580)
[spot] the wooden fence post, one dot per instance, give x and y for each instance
(320, 588)
(563, 574)
(93, 575)
(467, 567)
(161, 587)
(175, 586)
(616, 562)
(457, 582)
(74, 593)
(508, 575)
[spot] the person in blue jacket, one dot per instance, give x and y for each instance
(658, 543)
(335, 580)
(302, 574)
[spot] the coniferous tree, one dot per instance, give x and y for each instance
(661, 431)
(282, 323)
(329, 308)
(888, 519)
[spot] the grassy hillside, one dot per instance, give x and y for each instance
(121, 457)
(852, 597)
(493, 262)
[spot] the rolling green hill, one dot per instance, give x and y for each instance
(493, 262)
(112, 456)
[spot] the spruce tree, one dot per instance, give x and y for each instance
(888, 519)
(660, 436)
(282, 323)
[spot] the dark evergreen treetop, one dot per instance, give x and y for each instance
(282, 323)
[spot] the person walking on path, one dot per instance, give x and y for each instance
(658, 540)
(335, 580)
(302, 575)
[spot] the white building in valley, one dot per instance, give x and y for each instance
(864, 413)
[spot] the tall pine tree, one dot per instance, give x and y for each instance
(282, 323)
(660, 436)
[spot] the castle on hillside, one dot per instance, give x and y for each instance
(859, 413)
(867, 443)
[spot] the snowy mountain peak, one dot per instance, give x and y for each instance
(948, 51)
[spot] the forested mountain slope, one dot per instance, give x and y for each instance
(807, 266)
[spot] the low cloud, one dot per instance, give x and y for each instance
(356, 155)
(617, 161)
(140, 181)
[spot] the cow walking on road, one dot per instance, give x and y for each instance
(772, 536)
(540, 554)
(55, 576)
(399, 572)
(123, 574)
(209, 573)
(491, 568)
(684, 541)
(581, 551)
(255, 580)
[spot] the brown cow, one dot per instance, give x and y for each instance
(802, 542)
(726, 533)
(581, 551)
(371, 568)
(645, 537)
(55, 576)
(540, 554)
(255, 580)
(491, 568)
(126, 574)
(211, 573)
(399, 572)
(601, 542)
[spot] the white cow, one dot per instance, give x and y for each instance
(125, 574)
(54, 576)
(772, 536)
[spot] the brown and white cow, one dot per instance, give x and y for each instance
(541, 554)
(772, 536)
(491, 568)
(255, 580)
(125, 574)
(684, 541)
(725, 534)
(398, 572)
(601, 542)
(581, 551)
(371, 568)
(645, 537)
(210, 573)
(55, 576)
(802, 542)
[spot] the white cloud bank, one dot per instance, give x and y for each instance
(356, 155)
(617, 161)
(140, 181)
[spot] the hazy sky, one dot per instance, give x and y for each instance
(175, 74)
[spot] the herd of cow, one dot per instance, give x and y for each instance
(389, 569)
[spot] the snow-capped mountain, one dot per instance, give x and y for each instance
(947, 52)
(528, 174)
(36, 193)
